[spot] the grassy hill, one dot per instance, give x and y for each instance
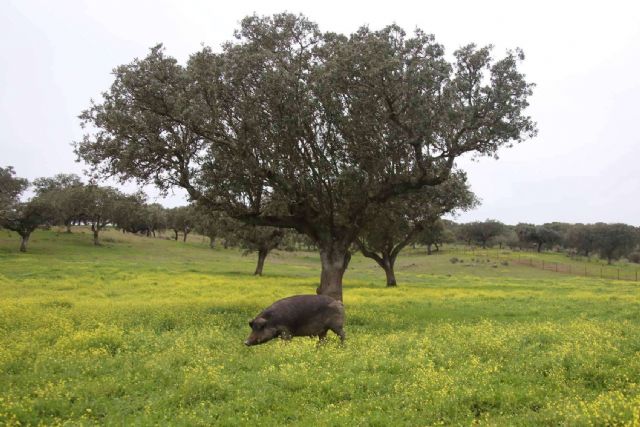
(149, 331)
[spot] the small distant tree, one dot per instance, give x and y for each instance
(581, 238)
(434, 234)
(261, 240)
(21, 217)
(131, 214)
(25, 217)
(507, 237)
(538, 235)
(614, 241)
(391, 228)
(482, 232)
(156, 217)
(64, 193)
(100, 208)
(562, 231)
(209, 223)
(253, 238)
(181, 219)
(10, 189)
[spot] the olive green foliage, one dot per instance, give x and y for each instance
(130, 213)
(10, 188)
(146, 332)
(66, 194)
(155, 217)
(538, 235)
(436, 233)
(251, 238)
(581, 238)
(209, 223)
(22, 217)
(615, 240)
(25, 217)
(181, 219)
(482, 232)
(390, 228)
(101, 207)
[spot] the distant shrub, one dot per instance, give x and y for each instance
(505, 263)
(634, 257)
(454, 260)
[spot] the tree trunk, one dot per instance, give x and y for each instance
(429, 249)
(176, 231)
(335, 260)
(437, 247)
(68, 225)
(23, 242)
(184, 239)
(262, 255)
(539, 247)
(96, 242)
(212, 242)
(388, 269)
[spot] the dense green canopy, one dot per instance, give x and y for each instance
(290, 127)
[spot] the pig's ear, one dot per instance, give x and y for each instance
(251, 323)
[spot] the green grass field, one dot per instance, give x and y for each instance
(149, 332)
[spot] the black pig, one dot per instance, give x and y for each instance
(298, 316)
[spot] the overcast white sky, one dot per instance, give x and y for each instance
(584, 57)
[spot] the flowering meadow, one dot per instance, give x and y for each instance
(147, 331)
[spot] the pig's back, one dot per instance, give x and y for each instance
(298, 309)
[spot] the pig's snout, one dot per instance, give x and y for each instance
(247, 343)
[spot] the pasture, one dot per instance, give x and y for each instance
(147, 331)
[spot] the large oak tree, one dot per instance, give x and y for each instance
(290, 127)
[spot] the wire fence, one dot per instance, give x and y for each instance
(575, 268)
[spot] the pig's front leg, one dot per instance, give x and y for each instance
(285, 334)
